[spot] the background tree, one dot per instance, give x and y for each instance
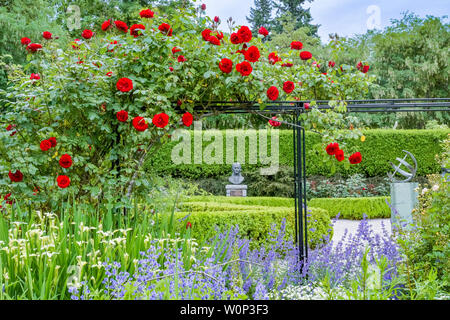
(261, 15)
(302, 16)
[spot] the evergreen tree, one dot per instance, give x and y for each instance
(260, 15)
(301, 15)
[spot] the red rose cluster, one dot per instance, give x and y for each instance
(333, 149)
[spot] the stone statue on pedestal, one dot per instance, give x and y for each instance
(236, 189)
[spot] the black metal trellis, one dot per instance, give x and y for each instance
(295, 109)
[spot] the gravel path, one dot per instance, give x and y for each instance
(352, 226)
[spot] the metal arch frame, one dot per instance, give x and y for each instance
(295, 109)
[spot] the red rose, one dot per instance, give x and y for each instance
(181, 59)
(160, 120)
(122, 116)
(363, 68)
(6, 198)
(134, 29)
(226, 65)
(216, 19)
(25, 41)
(244, 68)
(106, 25)
(63, 181)
(189, 225)
(175, 50)
(296, 45)
(305, 55)
(274, 123)
(35, 76)
(171, 69)
(65, 161)
(165, 29)
(16, 176)
(272, 93)
(355, 158)
(263, 31)
(214, 40)
(306, 105)
(235, 38)
(287, 64)
(33, 47)
(252, 54)
(47, 35)
(45, 145)
(53, 141)
(288, 87)
(187, 119)
(206, 34)
(273, 58)
(140, 124)
(332, 148)
(203, 6)
(87, 34)
(219, 35)
(245, 34)
(124, 85)
(331, 64)
(339, 155)
(109, 74)
(121, 25)
(147, 13)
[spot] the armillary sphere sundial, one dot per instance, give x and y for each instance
(407, 175)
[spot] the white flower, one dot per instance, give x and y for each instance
(424, 190)
(435, 188)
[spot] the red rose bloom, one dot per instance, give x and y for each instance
(134, 29)
(33, 47)
(214, 40)
(25, 41)
(363, 68)
(181, 59)
(226, 65)
(165, 29)
(160, 120)
(245, 34)
(87, 34)
(274, 123)
(53, 141)
(203, 6)
(175, 50)
(124, 85)
(296, 45)
(189, 225)
(187, 119)
(6, 198)
(216, 19)
(263, 31)
(273, 58)
(288, 87)
(235, 38)
(16, 176)
(306, 105)
(287, 64)
(109, 74)
(65, 161)
(47, 35)
(45, 145)
(252, 54)
(122, 116)
(63, 181)
(305, 55)
(331, 64)
(272, 93)
(355, 158)
(339, 155)
(206, 34)
(106, 25)
(244, 68)
(147, 13)
(35, 76)
(332, 148)
(121, 25)
(140, 124)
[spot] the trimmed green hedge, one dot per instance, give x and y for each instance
(380, 147)
(255, 221)
(349, 208)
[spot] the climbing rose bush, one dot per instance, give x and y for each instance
(82, 118)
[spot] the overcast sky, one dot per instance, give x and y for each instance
(346, 17)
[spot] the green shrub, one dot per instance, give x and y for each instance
(354, 208)
(254, 221)
(379, 147)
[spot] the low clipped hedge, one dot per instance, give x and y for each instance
(347, 208)
(379, 147)
(254, 221)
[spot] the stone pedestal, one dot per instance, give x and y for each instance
(404, 198)
(236, 190)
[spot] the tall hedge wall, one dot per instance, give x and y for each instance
(379, 147)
